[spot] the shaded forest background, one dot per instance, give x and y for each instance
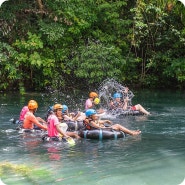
(76, 44)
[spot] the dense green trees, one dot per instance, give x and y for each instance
(63, 43)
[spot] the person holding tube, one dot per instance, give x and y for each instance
(92, 122)
(55, 129)
(30, 120)
(119, 102)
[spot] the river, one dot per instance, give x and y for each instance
(156, 157)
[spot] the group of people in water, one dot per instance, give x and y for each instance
(56, 122)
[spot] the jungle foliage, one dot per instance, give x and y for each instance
(78, 44)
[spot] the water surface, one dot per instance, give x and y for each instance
(156, 157)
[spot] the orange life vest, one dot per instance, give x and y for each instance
(86, 122)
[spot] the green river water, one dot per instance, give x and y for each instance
(156, 157)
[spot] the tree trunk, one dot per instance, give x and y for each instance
(39, 2)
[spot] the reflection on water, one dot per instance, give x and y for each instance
(154, 157)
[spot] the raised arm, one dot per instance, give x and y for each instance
(125, 106)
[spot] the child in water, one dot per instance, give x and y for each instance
(54, 128)
(116, 103)
(92, 122)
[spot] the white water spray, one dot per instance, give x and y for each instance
(110, 86)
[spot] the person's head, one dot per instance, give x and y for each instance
(32, 105)
(64, 109)
(117, 96)
(94, 97)
(91, 113)
(57, 109)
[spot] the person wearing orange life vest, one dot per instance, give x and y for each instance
(23, 112)
(92, 122)
(92, 101)
(30, 119)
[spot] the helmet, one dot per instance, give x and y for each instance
(90, 112)
(117, 95)
(65, 108)
(50, 111)
(50, 108)
(32, 104)
(96, 101)
(93, 95)
(57, 106)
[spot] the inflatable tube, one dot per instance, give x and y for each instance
(16, 121)
(69, 140)
(37, 131)
(19, 124)
(75, 125)
(47, 138)
(119, 112)
(101, 134)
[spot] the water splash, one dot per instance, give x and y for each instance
(52, 96)
(183, 2)
(110, 86)
(2, 1)
(182, 183)
(1, 182)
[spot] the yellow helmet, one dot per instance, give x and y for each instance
(57, 106)
(93, 95)
(32, 104)
(96, 101)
